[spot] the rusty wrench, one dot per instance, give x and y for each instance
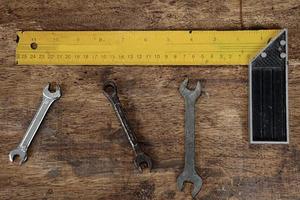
(189, 173)
(110, 91)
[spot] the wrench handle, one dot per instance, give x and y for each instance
(124, 122)
(36, 122)
(189, 134)
(121, 115)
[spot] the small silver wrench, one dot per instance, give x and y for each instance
(48, 99)
(189, 173)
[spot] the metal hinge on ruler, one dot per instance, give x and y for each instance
(268, 93)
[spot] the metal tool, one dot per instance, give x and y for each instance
(48, 99)
(141, 159)
(189, 173)
(268, 93)
(159, 47)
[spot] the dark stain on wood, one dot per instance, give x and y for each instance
(54, 173)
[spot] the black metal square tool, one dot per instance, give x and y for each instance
(268, 93)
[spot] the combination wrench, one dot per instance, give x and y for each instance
(189, 173)
(48, 99)
(110, 91)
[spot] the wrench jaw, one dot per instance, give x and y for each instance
(18, 152)
(142, 159)
(195, 179)
(180, 180)
(52, 95)
(110, 90)
(190, 94)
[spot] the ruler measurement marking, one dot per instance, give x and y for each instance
(224, 43)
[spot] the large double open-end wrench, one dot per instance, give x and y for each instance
(48, 99)
(189, 173)
(141, 159)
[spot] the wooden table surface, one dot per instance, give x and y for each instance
(80, 151)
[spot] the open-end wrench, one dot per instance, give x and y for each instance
(48, 99)
(110, 91)
(189, 173)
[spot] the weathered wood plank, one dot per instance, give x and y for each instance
(80, 151)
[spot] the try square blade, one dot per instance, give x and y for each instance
(268, 93)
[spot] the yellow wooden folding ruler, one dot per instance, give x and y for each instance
(140, 47)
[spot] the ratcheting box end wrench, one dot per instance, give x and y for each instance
(110, 91)
(48, 99)
(189, 173)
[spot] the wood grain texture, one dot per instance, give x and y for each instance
(80, 151)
